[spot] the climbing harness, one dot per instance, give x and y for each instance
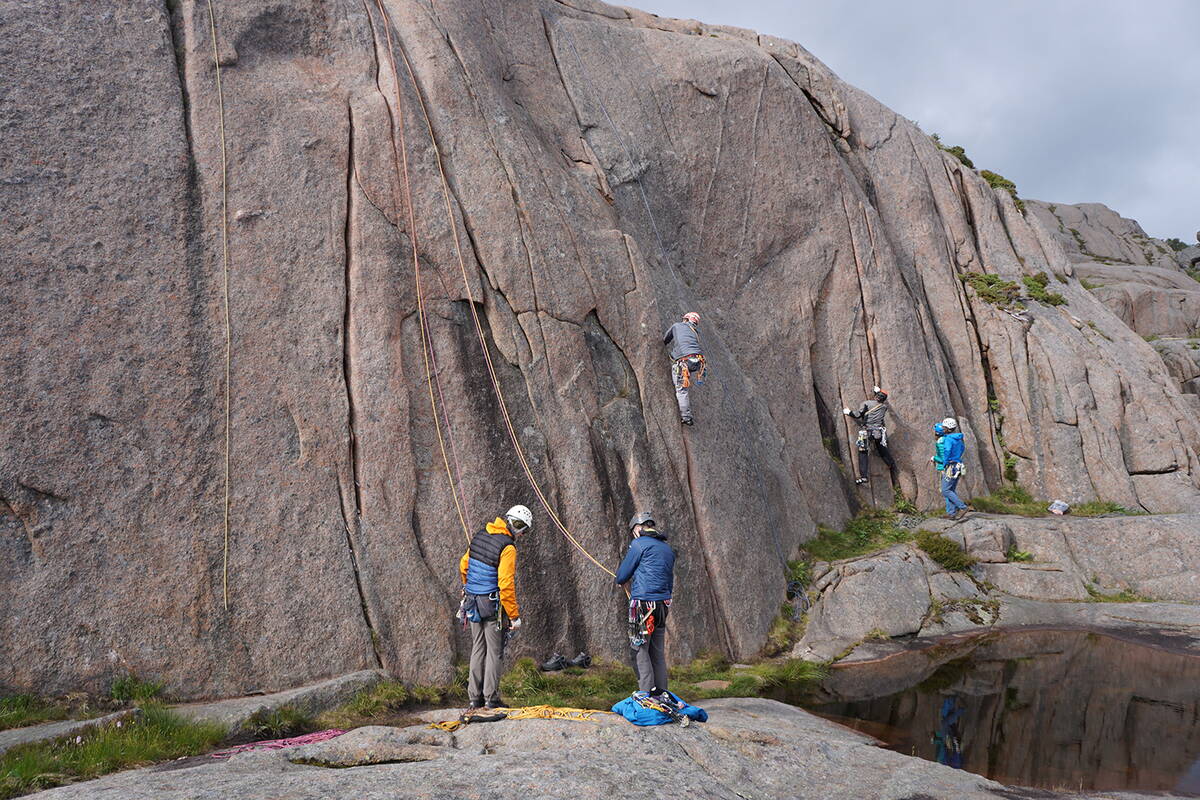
(521, 457)
(642, 620)
(212, 27)
(687, 366)
(528, 712)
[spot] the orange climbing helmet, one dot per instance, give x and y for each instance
(692, 317)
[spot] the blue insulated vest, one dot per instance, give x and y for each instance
(484, 561)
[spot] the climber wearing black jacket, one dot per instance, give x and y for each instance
(872, 433)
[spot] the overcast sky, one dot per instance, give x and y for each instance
(1074, 100)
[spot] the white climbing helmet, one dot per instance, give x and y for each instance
(950, 423)
(519, 519)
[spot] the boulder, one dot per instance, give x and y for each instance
(885, 594)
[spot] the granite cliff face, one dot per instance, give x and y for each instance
(606, 171)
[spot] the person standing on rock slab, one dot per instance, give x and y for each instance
(873, 432)
(687, 361)
(947, 459)
(650, 564)
(489, 602)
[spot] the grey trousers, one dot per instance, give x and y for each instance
(681, 392)
(487, 643)
(651, 658)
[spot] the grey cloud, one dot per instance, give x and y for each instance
(1076, 101)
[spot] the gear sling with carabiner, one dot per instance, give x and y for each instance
(689, 366)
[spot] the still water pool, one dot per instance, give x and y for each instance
(1040, 708)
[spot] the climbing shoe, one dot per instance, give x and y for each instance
(556, 662)
(686, 421)
(581, 660)
(476, 703)
(861, 481)
(495, 702)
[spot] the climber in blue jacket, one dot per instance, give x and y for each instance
(650, 564)
(947, 459)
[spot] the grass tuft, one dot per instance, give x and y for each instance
(1123, 596)
(1014, 554)
(944, 551)
(130, 690)
(20, 710)
(870, 531)
(1012, 499)
(389, 702)
(279, 723)
(158, 735)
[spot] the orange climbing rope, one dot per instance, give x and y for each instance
(512, 433)
(401, 158)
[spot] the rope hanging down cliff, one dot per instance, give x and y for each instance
(491, 369)
(400, 170)
(212, 27)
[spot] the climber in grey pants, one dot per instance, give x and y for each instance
(687, 361)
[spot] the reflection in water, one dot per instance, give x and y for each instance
(947, 739)
(1050, 709)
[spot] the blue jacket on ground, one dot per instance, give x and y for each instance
(633, 711)
(953, 452)
(650, 562)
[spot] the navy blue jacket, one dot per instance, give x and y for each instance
(651, 563)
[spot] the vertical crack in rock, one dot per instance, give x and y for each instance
(347, 319)
(722, 619)
(351, 407)
(858, 267)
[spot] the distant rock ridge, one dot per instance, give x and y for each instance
(1140, 278)
(607, 170)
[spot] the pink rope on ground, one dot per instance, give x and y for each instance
(279, 744)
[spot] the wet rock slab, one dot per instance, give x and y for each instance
(751, 748)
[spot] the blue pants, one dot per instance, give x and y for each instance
(953, 503)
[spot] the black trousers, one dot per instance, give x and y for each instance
(880, 448)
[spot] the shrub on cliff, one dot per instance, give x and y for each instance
(997, 181)
(957, 151)
(1036, 285)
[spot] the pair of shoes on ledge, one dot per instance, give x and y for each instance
(558, 661)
